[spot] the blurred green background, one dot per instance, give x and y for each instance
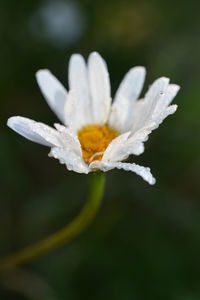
(145, 241)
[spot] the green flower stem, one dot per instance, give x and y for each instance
(70, 231)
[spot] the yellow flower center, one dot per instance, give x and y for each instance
(94, 140)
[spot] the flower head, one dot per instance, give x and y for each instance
(95, 133)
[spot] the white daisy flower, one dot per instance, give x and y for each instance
(97, 134)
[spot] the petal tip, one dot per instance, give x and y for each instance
(40, 73)
(141, 69)
(175, 88)
(162, 79)
(94, 53)
(11, 122)
(173, 108)
(75, 57)
(152, 181)
(96, 57)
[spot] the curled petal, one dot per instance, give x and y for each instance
(114, 151)
(135, 144)
(72, 161)
(144, 172)
(69, 139)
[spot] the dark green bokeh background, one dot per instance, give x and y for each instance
(145, 241)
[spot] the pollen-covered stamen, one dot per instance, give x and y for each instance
(94, 140)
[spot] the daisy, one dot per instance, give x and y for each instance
(97, 134)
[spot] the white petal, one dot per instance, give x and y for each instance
(69, 139)
(157, 88)
(132, 84)
(100, 88)
(144, 172)
(72, 161)
(78, 83)
(71, 111)
(121, 116)
(149, 113)
(114, 151)
(53, 91)
(154, 95)
(169, 95)
(134, 144)
(34, 131)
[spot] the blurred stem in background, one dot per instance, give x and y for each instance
(97, 183)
